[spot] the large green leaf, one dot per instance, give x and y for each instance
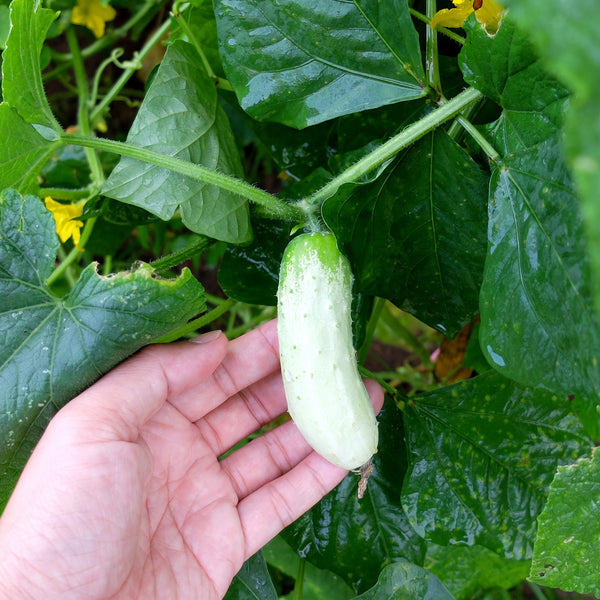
(403, 580)
(568, 39)
(44, 340)
(567, 549)
(468, 570)
(301, 62)
(506, 69)
(357, 538)
(250, 273)
(538, 324)
(180, 116)
(317, 584)
(417, 235)
(23, 153)
(253, 582)
(482, 454)
(22, 85)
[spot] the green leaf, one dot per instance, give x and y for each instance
(4, 25)
(24, 152)
(567, 549)
(357, 538)
(301, 63)
(568, 40)
(482, 454)
(567, 37)
(200, 18)
(297, 152)
(253, 582)
(467, 570)
(506, 69)
(250, 273)
(589, 413)
(67, 168)
(583, 152)
(417, 235)
(537, 318)
(44, 340)
(181, 117)
(404, 581)
(22, 85)
(318, 584)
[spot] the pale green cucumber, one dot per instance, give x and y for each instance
(326, 396)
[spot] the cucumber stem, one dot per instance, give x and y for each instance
(276, 208)
(196, 324)
(402, 140)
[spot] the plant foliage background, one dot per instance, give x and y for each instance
(459, 171)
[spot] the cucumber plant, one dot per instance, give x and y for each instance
(455, 168)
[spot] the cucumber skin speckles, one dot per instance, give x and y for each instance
(326, 396)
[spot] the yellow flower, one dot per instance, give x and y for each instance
(488, 13)
(93, 15)
(65, 215)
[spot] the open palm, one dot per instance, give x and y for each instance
(125, 495)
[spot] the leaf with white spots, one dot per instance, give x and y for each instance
(482, 454)
(44, 340)
(567, 549)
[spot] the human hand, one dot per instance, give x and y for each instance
(124, 496)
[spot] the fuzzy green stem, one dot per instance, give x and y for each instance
(65, 193)
(378, 305)
(491, 152)
(266, 314)
(275, 207)
(447, 32)
(107, 265)
(299, 585)
(199, 245)
(431, 52)
(196, 324)
(456, 129)
(405, 138)
(221, 83)
(178, 15)
(537, 591)
(400, 399)
(74, 254)
(83, 111)
(68, 274)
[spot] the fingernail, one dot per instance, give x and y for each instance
(206, 337)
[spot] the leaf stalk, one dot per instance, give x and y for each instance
(431, 52)
(196, 324)
(116, 88)
(402, 140)
(276, 208)
(491, 152)
(74, 254)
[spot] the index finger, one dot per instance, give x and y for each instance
(249, 359)
(125, 398)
